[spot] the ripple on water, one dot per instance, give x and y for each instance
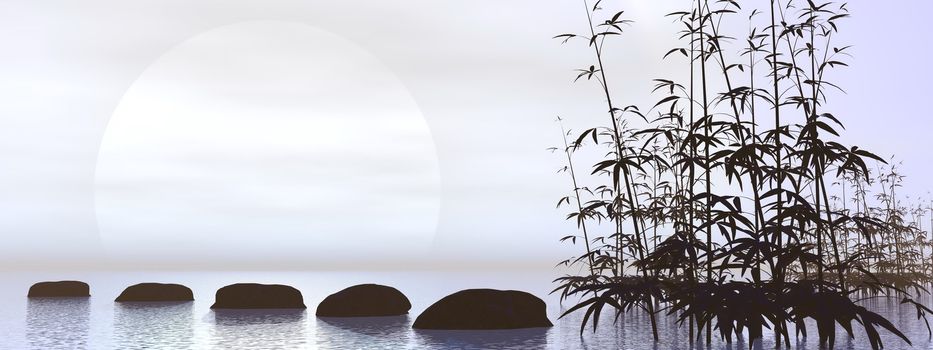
(258, 329)
(58, 323)
(530, 338)
(163, 325)
(392, 332)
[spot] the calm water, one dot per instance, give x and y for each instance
(99, 323)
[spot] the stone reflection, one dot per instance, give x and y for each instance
(154, 325)
(391, 332)
(259, 329)
(58, 323)
(528, 338)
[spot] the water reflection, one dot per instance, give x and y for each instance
(57, 323)
(363, 332)
(63, 323)
(154, 325)
(391, 326)
(530, 338)
(259, 329)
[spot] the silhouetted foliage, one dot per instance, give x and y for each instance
(727, 202)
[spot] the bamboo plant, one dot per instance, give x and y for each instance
(728, 198)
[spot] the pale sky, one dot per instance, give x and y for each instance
(324, 134)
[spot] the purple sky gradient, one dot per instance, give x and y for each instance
(486, 75)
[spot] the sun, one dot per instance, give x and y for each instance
(267, 140)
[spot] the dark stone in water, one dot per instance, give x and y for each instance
(481, 309)
(59, 289)
(258, 296)
(148, 292)
(364, 300)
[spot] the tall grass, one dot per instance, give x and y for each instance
(729, 198)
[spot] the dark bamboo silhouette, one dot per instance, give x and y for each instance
(747, 216)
